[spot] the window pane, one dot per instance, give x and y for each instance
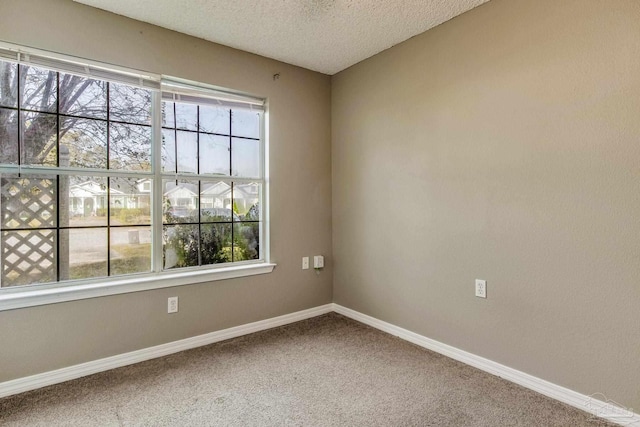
(22, 263)
(179, 201)
(215, 245)
(39, 90)
(28, 202)
(245, 123)
(84, 97)
(216, 215)
(180, 246)
(216, 195)
(87, 252)
(130, 250)
(8, 90)
(246, 239)
(130, 204)
(8, 134)
(186, 116)
(214, 119)
(245, 157)
(187, 151)
(246, 201)
(215, 156)
(39, 138)
(86, 142)
(129, 104)
(86, 202)
(168, 115)
(168, 150)
(130, 147)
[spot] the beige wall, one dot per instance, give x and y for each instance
(48, 337)
(502, 145)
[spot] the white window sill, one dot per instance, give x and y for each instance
(13, 298)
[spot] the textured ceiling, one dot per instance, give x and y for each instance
(321, 35)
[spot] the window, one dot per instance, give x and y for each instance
(215, 218)
(108, 173)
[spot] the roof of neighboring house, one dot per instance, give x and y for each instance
(185, 188)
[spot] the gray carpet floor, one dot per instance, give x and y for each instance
(325, 371)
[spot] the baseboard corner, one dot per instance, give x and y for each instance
(597, 404)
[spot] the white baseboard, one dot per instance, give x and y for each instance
(596, 404)
(33, 382)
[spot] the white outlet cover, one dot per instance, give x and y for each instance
(318, 261)
(172, 305)
(305, 263)
(481, 288)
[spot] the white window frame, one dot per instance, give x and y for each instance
(69, 290)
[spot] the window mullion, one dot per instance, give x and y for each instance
(156, 167)
(57, 232)
(108, 179)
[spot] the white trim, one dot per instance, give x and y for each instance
(265, 233)
(178, 86)
(80, 66)
(35, 296)
(33, 382)
(158, 187)
(608, 410)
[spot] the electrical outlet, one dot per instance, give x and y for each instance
(318, 261)
(481, 288)
(172, 305)
(305, 263)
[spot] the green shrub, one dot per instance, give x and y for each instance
(130, 216)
